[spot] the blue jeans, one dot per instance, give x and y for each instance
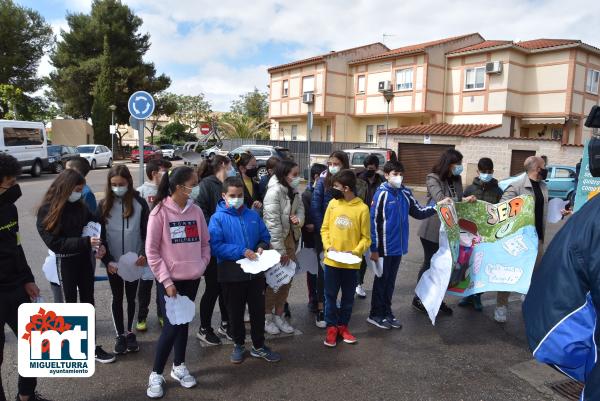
(383, 288)
(335, 279)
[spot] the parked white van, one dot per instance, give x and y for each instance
(27, 142)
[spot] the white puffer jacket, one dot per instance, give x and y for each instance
(277, 209)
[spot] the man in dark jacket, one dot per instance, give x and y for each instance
(17, 285)
(484, 188)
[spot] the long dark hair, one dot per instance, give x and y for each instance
(210, 167)
(341, 156)
(120, 170)
(442, 167)
(57, 196)
(168, 183)
(242, 159)
(281, 172)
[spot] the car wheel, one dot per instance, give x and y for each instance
(109, 164)
(262, 172)
(93, 164)
(58, 168)
(571, 199)
(36, 169)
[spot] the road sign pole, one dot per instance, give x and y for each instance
(141, 128)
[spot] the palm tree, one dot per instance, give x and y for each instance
(240, 126)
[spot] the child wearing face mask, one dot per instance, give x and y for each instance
(284, 216)
(238, 232)
(485, 188)
(123, 214)
(391, 206)
(345, 228)
(248, 169)
(60, 222)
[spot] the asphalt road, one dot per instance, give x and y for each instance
(464, 357)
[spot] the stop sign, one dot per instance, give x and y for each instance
(205, 129)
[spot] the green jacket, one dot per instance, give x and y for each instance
(488, 192)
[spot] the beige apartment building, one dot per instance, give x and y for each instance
(512, 99)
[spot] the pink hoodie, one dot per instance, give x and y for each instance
(177, 242)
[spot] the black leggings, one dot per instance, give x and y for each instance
(212, 292)
(116, 286)
(144, 297)
(173, 336)
(429, 249)
(77, 273)
(9, 305)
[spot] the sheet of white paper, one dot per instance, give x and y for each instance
(343, 257)
(127, 269)
(554, 207)
(307, 261)
(92, 229)
(180, 309)
(377, 267)
(433, 284)
(49, 268)
(147, 274)
(279, 275)
(264, 262)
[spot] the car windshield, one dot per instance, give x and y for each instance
(85, 149)
(54, 150)
(166, 147)
(148, 148)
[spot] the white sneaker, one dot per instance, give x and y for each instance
(500, 314)
(155, 385)
(360, 291)
(182, 375)
(270, 327)
(246, 316)
(282, 324)
(320, 320)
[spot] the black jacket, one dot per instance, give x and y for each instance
(372, 187)
(485, 191)
(250, 199)
(209, 195)
(66, 238)
(14, 270)
(308, 238)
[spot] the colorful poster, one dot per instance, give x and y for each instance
(587, 186)
(493, 247)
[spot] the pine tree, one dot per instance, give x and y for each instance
(104, 93)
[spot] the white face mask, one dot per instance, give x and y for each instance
(235, 203)
(119, 191)
(74, 197)
(231, 172)
(295, 182)
(334, 169)
(396, 181)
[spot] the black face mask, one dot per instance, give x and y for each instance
(543, 173)
(369, 173)
(11, 195)
(251, 172)
(336, 193)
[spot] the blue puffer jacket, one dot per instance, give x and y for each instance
(231, 233)
(389, 219)
(319, 202)
(561, 308)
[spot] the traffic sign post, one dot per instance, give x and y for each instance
(141, 106)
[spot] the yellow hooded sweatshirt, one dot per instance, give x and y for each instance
(347, 228)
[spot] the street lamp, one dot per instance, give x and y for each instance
(113, 129)
(308, 98)
(388, 95)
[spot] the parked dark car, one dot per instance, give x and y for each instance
(262, 153)
(59, 155)
(358, 155)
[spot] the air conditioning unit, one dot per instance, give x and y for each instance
(493, 67)
(385, 86)
(308, 98)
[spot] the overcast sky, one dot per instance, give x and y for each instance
(223, 48)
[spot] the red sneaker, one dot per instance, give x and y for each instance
(331, 338)
(348, 338)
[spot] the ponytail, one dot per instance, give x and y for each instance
(210, 167)
(170, 181)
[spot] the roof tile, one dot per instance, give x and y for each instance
(545, 43)
(443, 129)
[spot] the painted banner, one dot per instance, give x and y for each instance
(587, 186)
(493, 247)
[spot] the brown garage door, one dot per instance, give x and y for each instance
(518, 159)
(418, 160)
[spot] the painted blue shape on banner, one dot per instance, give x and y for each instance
(504, 265)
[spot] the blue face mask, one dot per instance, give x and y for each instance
(457, 170)
(231, 172)
(195, 192)
(235, 203)
(485, 177)
(119, 191)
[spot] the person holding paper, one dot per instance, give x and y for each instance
(283, 214)
(391, 206)
(123, 214)
(237, 232)
(17, 284)
(178, 250)
(154, 172)
(346, 228)
(61, 219)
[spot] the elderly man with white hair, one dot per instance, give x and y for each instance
(532, 183)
